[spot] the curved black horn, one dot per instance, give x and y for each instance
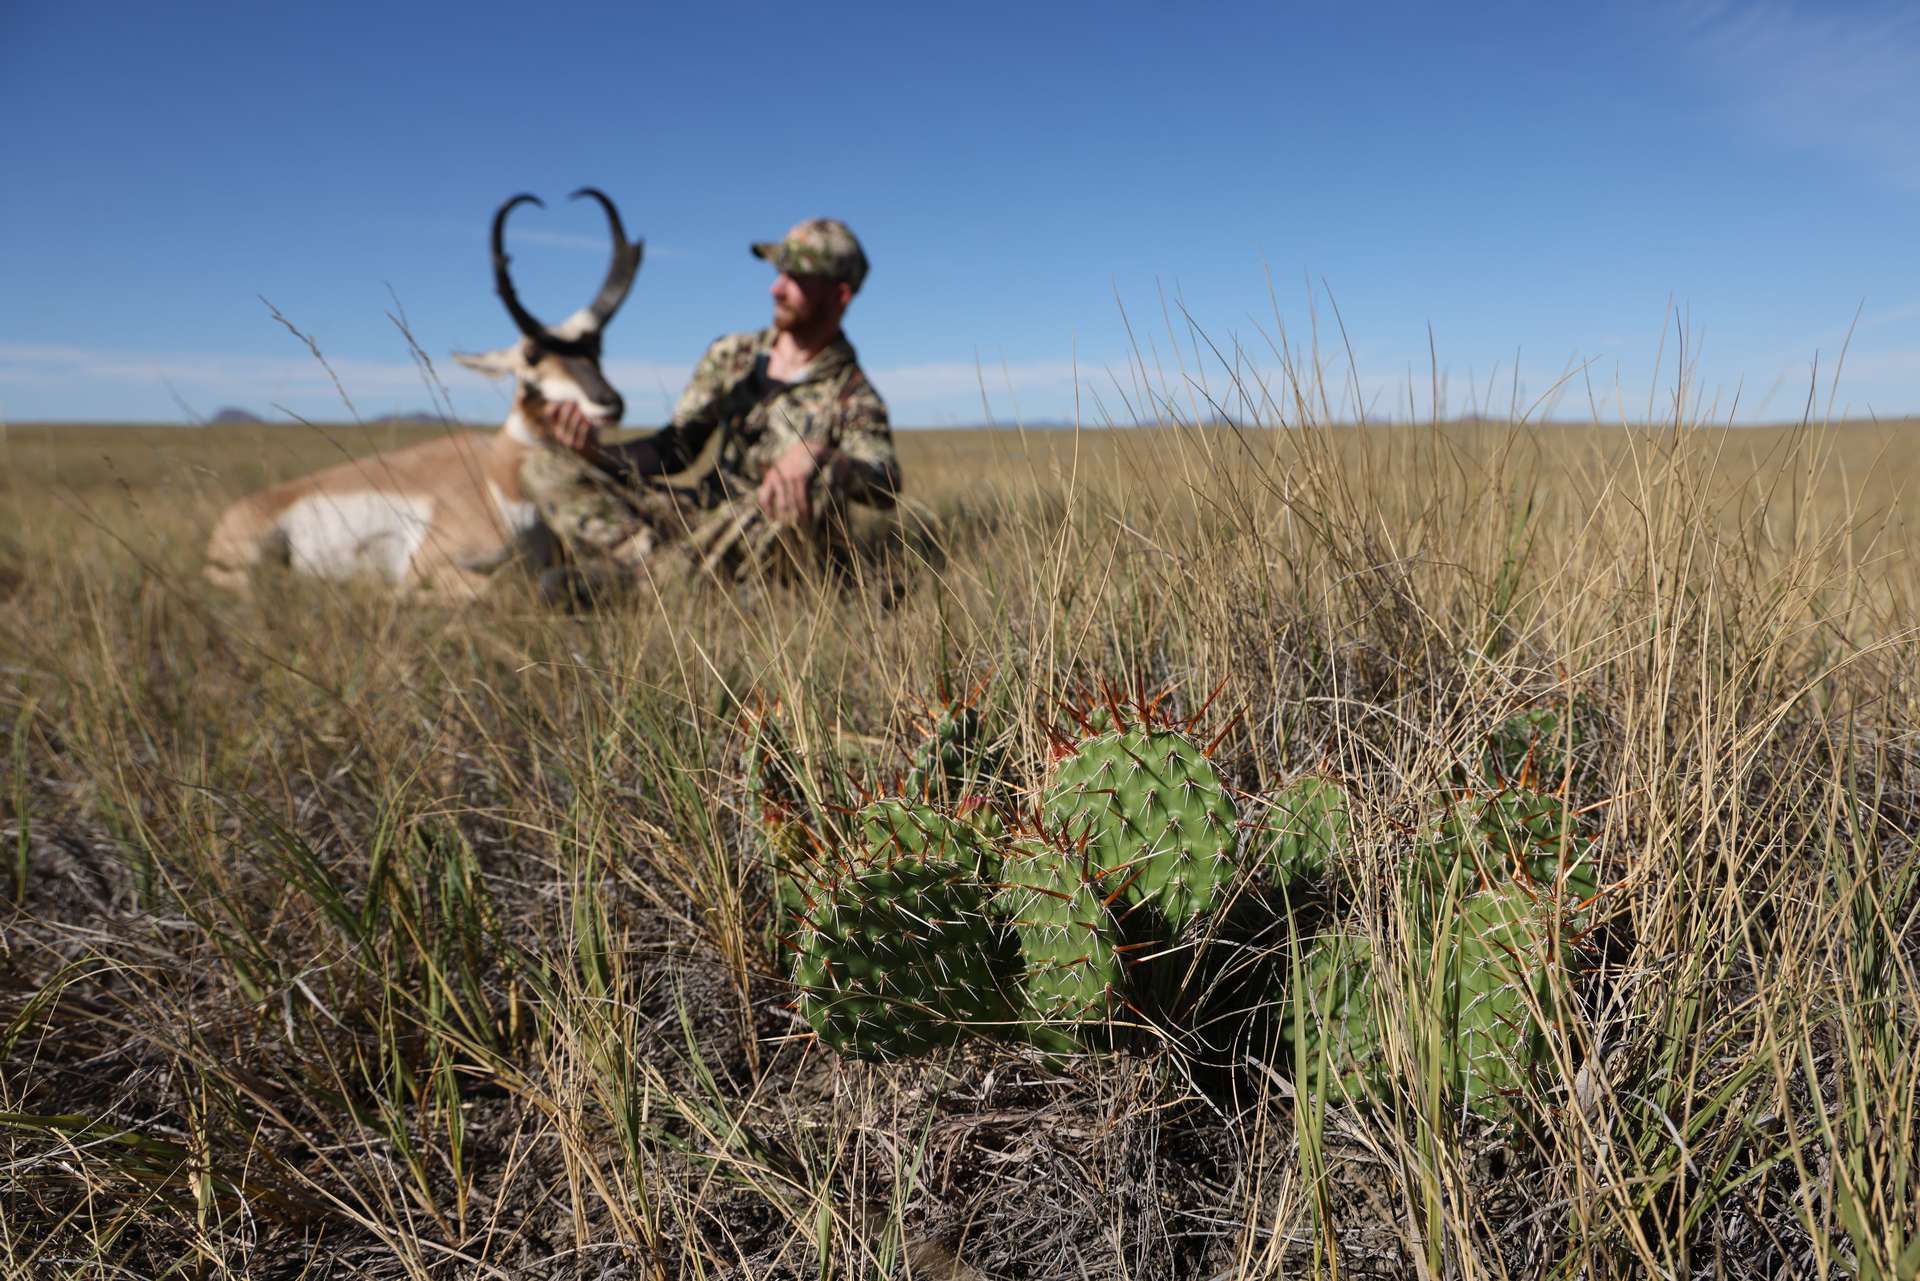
(625, 265)
(503, 283)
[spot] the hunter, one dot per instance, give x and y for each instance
(802, 432)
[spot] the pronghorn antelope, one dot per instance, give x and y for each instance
(432, 518)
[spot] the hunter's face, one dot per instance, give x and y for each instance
(803, 302)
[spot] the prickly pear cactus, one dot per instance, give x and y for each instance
(979, 814)
(767, 770)
(1533, 748)
(1068, 939)
(1512, 834)
(793, 861)
(1332, 1032)
(1497, 964)
(778, 814)
(1302, 829)
(955, 760)
(1552, 850)
(902, 958)
(918, 919)
(1149, 805)
(1499, 885)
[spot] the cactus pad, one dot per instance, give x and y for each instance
(778, 814)
(1303, 828)
(1512, 834)
(955, 760)
(1532, 748)
(1068, 943)
(1150, 806)
(1332, 1029)
(904, 958)
(1498, 962)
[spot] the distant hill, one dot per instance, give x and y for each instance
(232, 416)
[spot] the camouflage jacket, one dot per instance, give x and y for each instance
(833, 404)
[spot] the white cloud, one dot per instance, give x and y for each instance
(956, 391)
(54, 381)
(43, 380)
(1810, 77)
(51, 365)
(1873, 364)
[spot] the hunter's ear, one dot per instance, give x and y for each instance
(495, 364)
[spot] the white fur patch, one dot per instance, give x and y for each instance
(559, 387)
(578, 325)
(518, 428)
(518, 515)
(341, 536)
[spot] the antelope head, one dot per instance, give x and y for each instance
(561, 363)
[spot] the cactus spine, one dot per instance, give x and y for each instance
(1538, 747)
(955, 760)
(1512, 834)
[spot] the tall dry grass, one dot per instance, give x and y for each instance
(350, 938)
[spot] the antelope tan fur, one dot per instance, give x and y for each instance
(433, 518)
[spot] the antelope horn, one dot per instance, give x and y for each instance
(625, 265)
(503, 283)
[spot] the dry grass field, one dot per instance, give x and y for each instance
(345, 938)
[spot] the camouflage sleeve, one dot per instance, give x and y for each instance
(699, 411)
(864, 437)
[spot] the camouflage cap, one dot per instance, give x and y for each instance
(817, 247)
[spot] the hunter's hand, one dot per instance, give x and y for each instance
(569, 425)
(783, 492)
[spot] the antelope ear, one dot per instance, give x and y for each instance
(495, 364)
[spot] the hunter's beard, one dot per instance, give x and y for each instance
(790, 318)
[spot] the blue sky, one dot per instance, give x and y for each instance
(1568, 183)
